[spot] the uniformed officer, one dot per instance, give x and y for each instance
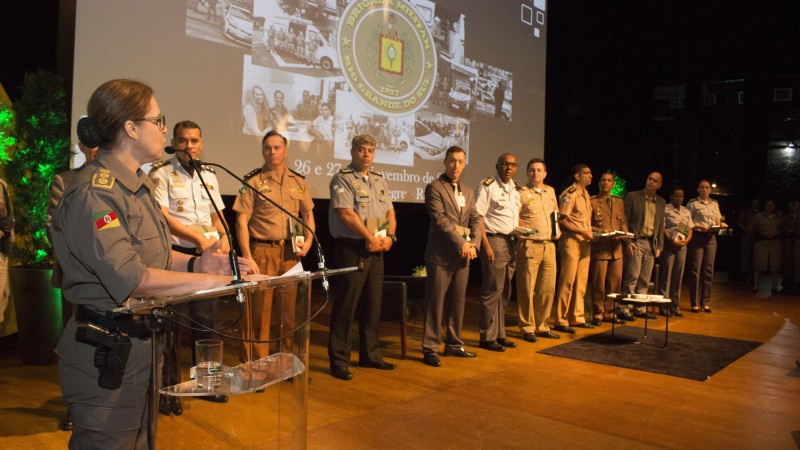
(362, 220)
(271, 239)
(498, 202)
(6, 236)
(112, 242)
(536, 254)
(576, 223)
(57, 188)
(608, 214)
(767, 227)
(703, 247)
(677, 234)
(195, 226)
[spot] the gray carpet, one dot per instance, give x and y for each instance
(690, 356)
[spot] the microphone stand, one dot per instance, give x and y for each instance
(318, 246)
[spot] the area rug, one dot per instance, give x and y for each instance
(690, 356)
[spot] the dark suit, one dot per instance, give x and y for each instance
(639, 267)
(448, 272)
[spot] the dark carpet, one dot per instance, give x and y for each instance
(687, 355)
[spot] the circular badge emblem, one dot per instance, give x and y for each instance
(387, 55)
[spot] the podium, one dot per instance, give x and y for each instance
(266, 383)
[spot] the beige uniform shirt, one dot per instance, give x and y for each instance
(576, 207)
(537, 210)
(267, 222)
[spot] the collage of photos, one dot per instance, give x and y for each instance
(292, 80)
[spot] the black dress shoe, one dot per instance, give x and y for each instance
(626, 317)
(177, 407)
(613, 320)
(676, 312)
(431, 359)
(214, 398)
(491, 346)
(548, 335)
(597, 321)
(706, 309)
(163, 405)
(506, 343)
(583, 325)
(342, 373)
(646, 315)
(380, 365)
(459, 352)
(529, 337)
(66, 423)
(564, 329)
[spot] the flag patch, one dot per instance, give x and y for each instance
(105, 219)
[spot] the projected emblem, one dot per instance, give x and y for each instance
(387, 55)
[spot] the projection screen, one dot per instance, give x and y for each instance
(418, 75)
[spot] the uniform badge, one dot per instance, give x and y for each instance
(103, 179)
(104, 220)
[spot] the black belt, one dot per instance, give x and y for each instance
(279, 242)
(129, 324)
(508, 237)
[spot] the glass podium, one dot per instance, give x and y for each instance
(266, 383)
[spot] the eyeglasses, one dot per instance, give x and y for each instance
(160, 121)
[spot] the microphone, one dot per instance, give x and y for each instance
(234, 261)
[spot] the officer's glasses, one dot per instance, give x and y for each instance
(160, 121)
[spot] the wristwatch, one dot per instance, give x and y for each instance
(393, 237)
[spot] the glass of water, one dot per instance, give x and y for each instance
(209, 363)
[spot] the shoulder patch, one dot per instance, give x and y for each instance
(252, 173)
(209, 169)
(346, 170)
(159, 164)
(103, 179)
(298, 174)
(488, 181)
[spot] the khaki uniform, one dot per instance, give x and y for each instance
(356, 292)
(575, 252)
(767, 229)
(6, 235)
(791, 248)
(271, 247)
(608, 214)
(536, 259)
(702, 250)
(106, 232)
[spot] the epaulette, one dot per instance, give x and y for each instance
(209, 169)
(299, 175)
(103, 179)
(517, 186)
(488, 181)
(376, 173)
(159, 164)
(571, 190)
(252, 173)
(346, 170)
(712, 199)
(617, 196)
(696, 198)
(592, 197)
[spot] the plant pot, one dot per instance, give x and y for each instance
(39, 316)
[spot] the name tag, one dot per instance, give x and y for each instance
(462, 202)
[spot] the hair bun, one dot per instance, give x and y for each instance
(87, 133)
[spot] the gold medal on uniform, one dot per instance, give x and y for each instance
(265, 185)
(180, 205)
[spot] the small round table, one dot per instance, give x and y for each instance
(641, 300)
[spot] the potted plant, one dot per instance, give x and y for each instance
(42, 150)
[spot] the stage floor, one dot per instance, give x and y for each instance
(516, 399)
